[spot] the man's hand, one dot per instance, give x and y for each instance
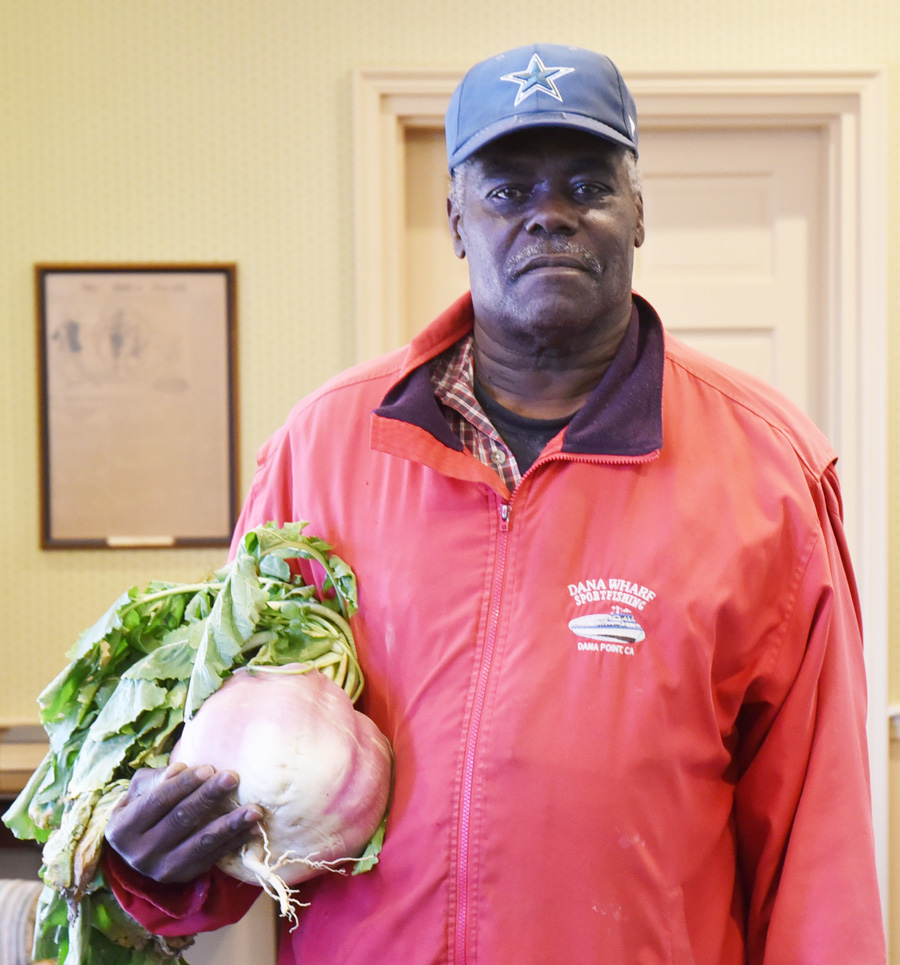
(174, 824)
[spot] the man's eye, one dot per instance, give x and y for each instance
(588, 189)
(507, 193)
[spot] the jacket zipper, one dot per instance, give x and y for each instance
(462, 867)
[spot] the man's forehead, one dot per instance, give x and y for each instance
(522, 150)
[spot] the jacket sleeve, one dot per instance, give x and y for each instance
(802, 811)
(205, 904)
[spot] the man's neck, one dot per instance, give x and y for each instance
(542, 382)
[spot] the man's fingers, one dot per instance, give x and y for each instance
(174, 824)
(185, 796)
(199, 852)
(203, 802)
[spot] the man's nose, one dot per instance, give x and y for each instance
(553, 214)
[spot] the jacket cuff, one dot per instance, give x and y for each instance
(210, 901)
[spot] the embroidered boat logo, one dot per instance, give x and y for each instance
(615, 632)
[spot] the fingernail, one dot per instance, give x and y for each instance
(205, 772)
(228, 781)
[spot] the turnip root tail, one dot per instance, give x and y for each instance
(265, 870)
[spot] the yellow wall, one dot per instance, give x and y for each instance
(220, 130)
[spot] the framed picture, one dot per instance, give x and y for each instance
(138, 405)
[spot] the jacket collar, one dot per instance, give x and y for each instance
(622, 417)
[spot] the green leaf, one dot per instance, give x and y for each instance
(51, 937)
(275, 567)
(243, 597)
(59, 851)
(232, 621)
(97, 762)
(369, 858)
(17, 818)
(129, 700)
(117, 925)
(101, 629)
(59, 701)
(174, 660)
(86, 856)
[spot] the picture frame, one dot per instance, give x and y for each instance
(138, 404)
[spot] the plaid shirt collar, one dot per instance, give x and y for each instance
(452, 380)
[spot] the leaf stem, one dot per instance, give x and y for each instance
(176, 590)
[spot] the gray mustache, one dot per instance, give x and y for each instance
(560, 247)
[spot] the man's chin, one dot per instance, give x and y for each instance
(551, 327)
(557, 313)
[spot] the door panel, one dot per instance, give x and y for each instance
(733, 259)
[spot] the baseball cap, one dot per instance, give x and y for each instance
(540, 84)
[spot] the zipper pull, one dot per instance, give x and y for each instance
(504, 515)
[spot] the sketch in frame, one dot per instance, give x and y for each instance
(138, 401)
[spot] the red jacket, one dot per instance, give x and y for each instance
(626, 701)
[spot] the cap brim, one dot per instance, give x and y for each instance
(518, 122)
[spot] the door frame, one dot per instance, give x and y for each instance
(847, 108)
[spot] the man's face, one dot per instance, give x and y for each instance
(548, 219)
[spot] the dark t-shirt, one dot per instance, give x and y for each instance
(525, 437)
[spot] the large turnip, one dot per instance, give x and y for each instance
(319, 768)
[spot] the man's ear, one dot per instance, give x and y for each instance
(454, 217)
(639, 227)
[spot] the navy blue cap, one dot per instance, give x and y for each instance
(542, 84)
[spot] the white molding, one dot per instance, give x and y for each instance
(848, 107)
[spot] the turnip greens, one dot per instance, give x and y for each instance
(134, 677)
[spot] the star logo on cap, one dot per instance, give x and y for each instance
(537, 78)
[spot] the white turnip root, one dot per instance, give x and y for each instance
(319, 768)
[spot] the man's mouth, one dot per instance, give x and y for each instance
(551, 261)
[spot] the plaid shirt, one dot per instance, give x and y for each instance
(452, 379)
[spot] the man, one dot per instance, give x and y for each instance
(606, 611)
